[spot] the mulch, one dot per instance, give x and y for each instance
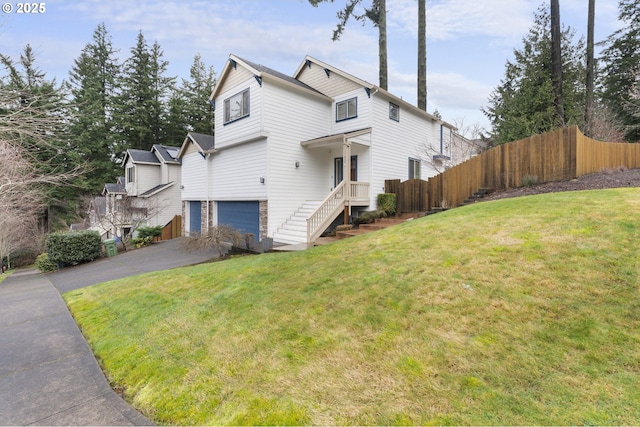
(610, 178)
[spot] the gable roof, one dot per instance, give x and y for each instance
(204, 143)
(117, 188)
(261, 72)
(140, 157)
(373, 89)
(158, 154)
(166, 153)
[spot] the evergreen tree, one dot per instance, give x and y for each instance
(35, 111)
(524, 103)
(144, 94)
(196, 93)
(621, 57)
(93, 79)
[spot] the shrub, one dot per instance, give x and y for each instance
(369, 217)
(387, 203)
(44, 264)
(529, 180)
(140, 242)
(72, 248)
(152, 232)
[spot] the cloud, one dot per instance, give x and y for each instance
(451, 19)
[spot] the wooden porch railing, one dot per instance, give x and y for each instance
(333, 204)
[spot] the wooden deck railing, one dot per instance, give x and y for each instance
(333, 204)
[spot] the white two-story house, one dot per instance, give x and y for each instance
(293, 153)
(148, 195)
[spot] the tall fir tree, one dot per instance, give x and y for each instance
(620, 72)
(40, 105)
(93, 79)
(145, 92)
(196, 92)
(524, 103)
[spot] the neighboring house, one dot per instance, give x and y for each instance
(148, 194)
(292, 154)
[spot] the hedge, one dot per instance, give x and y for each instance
(72, 248)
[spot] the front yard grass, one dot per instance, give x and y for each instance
(518, 311)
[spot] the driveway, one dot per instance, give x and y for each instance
(48, 374)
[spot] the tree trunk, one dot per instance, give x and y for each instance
(382, 43)
(556, 61)
(422, 55)
(588, 112)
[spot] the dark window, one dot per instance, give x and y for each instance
(394, 112)
(347, 109)
(131, 174)
(236, 107)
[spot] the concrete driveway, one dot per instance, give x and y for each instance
(48, 374)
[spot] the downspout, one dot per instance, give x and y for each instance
(441, 139)
(206, 159)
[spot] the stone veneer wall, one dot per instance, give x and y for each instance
(264, 218)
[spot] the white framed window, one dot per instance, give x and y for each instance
(236, 107)
(347, 109)
(414, 168)
(394, 112)
(131, 174)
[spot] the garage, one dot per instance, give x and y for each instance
(243, 216)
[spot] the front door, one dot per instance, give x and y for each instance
(338, 167)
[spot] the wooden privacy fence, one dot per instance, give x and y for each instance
(553, 156)
(173, 229)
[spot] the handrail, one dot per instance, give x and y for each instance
(320, 219)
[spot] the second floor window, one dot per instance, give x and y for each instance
(236, 107)
(347, 109)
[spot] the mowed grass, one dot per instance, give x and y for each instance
(512, 312)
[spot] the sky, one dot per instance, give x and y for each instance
(468, 41)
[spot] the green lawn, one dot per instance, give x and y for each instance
(518, 311)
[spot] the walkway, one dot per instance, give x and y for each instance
(48, 374)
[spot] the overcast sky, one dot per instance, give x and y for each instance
(468, 41)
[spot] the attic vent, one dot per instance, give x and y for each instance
(366, 89)
(327, 72)
(308, 62)
(233, 63)
(259, 80)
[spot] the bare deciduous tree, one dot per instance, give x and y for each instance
(218, 237)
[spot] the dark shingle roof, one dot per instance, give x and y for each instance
(261, 68)
(142, 156)
(118, 187)
(155, 189)
(206, 142)
(167, 153)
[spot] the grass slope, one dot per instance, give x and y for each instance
(519, 311)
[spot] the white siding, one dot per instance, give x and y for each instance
(236, 172)
(146, 177)
(194, 169)
(395, 142)
(333, 85)
(363, 119)
(246, 128)
(292, 117)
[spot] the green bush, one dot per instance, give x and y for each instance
(529, 180)
(152, 232)
(369, 217)
(44, 264)
(72, 248)
(140, 242)
(387, 203)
